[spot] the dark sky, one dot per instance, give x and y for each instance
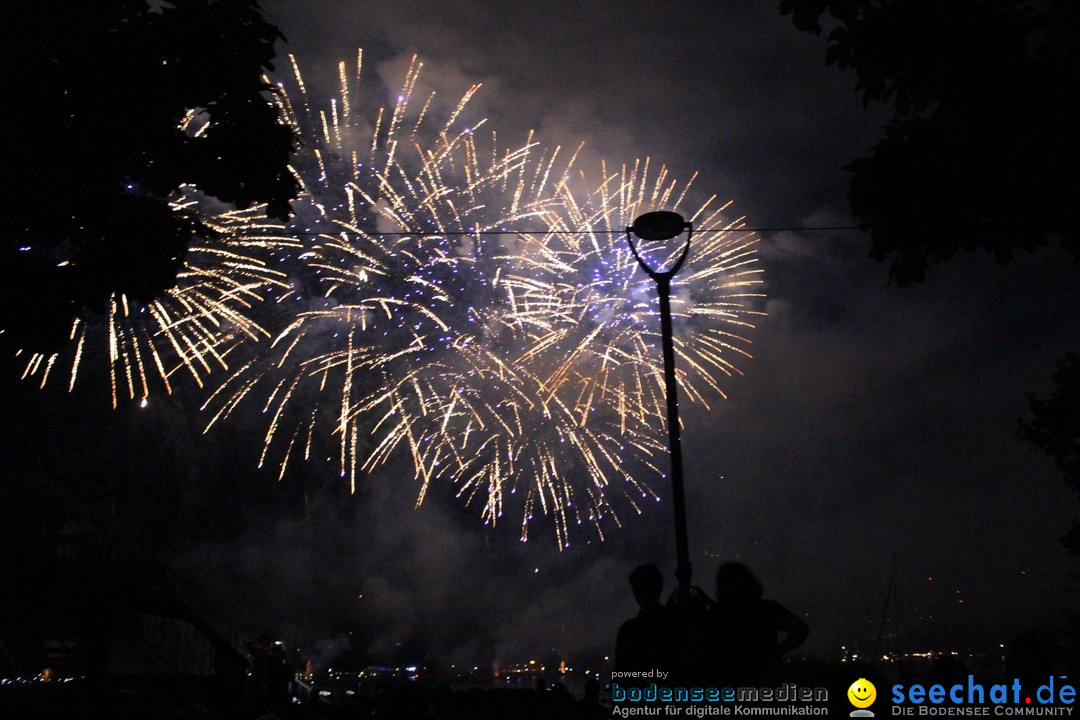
(873, 420)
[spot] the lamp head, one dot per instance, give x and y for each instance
(658, 225)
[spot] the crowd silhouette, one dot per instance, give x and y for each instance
(735, 639)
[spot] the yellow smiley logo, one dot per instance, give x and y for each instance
(862, 693)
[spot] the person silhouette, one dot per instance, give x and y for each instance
(745, 629)
(645, 642)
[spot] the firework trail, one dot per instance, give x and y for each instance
(191, 329)
(458, 305)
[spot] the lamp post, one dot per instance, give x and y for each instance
(658, 226)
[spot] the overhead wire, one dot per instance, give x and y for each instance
(451, 233)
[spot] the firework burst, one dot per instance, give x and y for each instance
(589, 314)
(458, 306)
(188, 331)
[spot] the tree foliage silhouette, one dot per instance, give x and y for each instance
(981, 152)
(93, 150)
(1054, 428)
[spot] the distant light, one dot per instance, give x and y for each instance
(143, 402)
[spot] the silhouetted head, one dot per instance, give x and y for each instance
(736, 585)
(647, 583)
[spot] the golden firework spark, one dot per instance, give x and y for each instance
(520, 364)
(193, 326)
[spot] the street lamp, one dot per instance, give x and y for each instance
(659, 226)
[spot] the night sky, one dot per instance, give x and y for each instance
(873, 421)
